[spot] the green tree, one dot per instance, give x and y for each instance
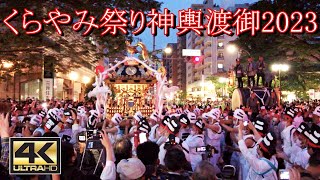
(298, 50)
(217, 85)
(71, 50)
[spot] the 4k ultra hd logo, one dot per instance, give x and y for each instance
(35, 155)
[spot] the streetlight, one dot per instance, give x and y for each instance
(85, 80)
(73, 76)
(231, 48)
(279, 68)
(168, 50)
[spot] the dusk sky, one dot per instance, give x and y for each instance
(174, 6)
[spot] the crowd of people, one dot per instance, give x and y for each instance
(183, 142)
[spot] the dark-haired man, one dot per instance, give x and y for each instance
(251, 72)
(148, 153)
(238, 70)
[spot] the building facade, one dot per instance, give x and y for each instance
(175, 63)
(215, 58)
(180, 69)
(32, 84)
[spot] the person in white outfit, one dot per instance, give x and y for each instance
(171, 128)
(238, 116)
(113, 128)
(298, 119)
(287, 133)
(194, 140)
(300, 154)
(213, 133)
(134, 125)
(154, 133)
(316, 116)
(264, 164)
(185, 127)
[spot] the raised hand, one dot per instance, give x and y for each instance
(105, 140)
(250, 125)
(4, 124)
(26, 131)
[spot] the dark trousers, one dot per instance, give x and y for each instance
(240, 82)
(268, 84)
(261, 74)
(251, 79)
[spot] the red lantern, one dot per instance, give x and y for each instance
(99, 69)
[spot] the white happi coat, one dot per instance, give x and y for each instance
(194, 141)
(258, 166)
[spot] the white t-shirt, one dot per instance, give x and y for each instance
(109, 171)
(287, 137)
(194, 141)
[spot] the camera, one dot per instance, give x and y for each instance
(94, 134)
(171, 142)
(19, 127)
(207, 150)
(82, 138)
(94, 144)
(91, 138)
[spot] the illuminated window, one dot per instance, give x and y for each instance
(220, 66)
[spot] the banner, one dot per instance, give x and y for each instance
(47, 88)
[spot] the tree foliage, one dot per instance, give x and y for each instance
(71, 50)
(300, 51)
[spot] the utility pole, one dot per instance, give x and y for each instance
(154, 44)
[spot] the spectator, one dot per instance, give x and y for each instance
(176, 163)
(69, 169)
(314, 165)
(4, 133)
(122, 149)
(131, 168)
(204, 171)
(148, 153)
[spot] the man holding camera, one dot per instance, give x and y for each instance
(194, 140)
